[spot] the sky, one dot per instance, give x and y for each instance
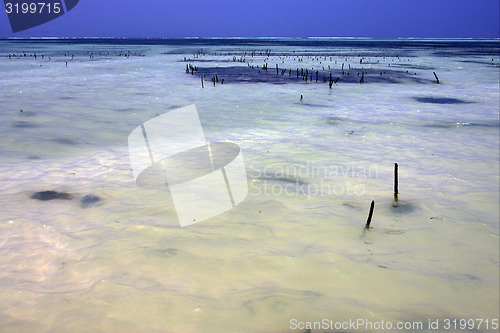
(271, 18)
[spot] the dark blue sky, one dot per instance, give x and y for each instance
(279, 18)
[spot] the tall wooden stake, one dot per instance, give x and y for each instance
(370, 214)
(396, 185)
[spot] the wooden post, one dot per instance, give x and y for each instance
(437, 80)
(370, 214)
(202, 82)
(396, 185)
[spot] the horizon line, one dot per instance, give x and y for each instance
(269, 37)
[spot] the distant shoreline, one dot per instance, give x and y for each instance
(412, 39)
(270, 42)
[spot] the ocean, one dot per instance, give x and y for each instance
(320, 124)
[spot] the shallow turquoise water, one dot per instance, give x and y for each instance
(296, 248)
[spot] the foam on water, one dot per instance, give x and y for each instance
(296, 247)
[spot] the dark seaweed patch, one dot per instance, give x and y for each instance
(26, 113)
(284, 179)
(312, 105)
(241, 74)
(64, 141)
(334, 121)
(90, 200)
(353, 205)
(236, 74)
(51, 195)
(440, 100)
(405, 207)
(23, 124)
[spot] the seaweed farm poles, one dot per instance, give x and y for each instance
(396, 185)
(435, 75)
(370, 214)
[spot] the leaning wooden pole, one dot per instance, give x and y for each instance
(435, 75)
(370, 214)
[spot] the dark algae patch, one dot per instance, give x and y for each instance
(87, 201)
(23, 124)
(248, 74)
(440, 100)
(90, 200)
(51, 195)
